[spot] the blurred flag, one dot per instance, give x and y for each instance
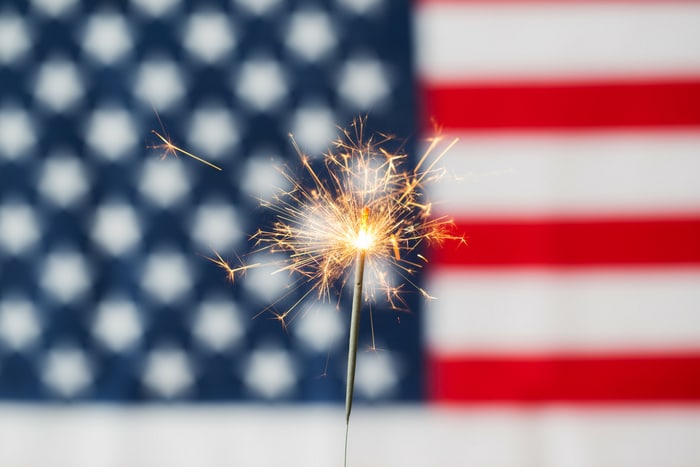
(567, 333)
(577, 184)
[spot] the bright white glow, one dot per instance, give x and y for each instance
(364, 239)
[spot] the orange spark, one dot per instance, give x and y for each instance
(169, 148)
(230, 271)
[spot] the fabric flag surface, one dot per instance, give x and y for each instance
(567, 332)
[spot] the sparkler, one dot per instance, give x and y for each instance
(365, 211)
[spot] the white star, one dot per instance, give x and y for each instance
(111, 132)
(216, 226)
(107, 37)
(167, 277)
(19, 326)
(14, 38)
(314, 128)
(361, 7)
(65, 276)
(63, 180)
(116, 228)
(376, 375)
(364, 83)
(270, 373)
(261, 179)
(67, 371)
(311, 35)
(117, 324)
(259, 7)
(17, 133)
(54, 8)
(164, 183)
(208, 36)
(213, 131)
(264, 282)
(156, 8)
(320, 328)
(168, 372)
(58, 85)
(218, 324)
(19, 229)
(159, 82)
(261, 84)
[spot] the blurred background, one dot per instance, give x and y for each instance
(566, 334)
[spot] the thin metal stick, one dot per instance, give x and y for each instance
(352, 345)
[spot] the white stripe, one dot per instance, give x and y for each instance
(584, 310)
(262, 436)
(481, 41)
(594, 173)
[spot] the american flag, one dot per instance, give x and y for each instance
(566, 334)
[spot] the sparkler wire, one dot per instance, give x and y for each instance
(352, 343)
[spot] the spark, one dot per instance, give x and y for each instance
(169, 148)
(226, 266)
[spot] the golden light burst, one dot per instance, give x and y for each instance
(363, 199)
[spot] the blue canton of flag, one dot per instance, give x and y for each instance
(106, 291)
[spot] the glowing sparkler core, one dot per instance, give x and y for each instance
(364, 240)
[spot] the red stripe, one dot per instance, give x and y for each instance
(573, 242)
(561, 379)
(562, 105)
